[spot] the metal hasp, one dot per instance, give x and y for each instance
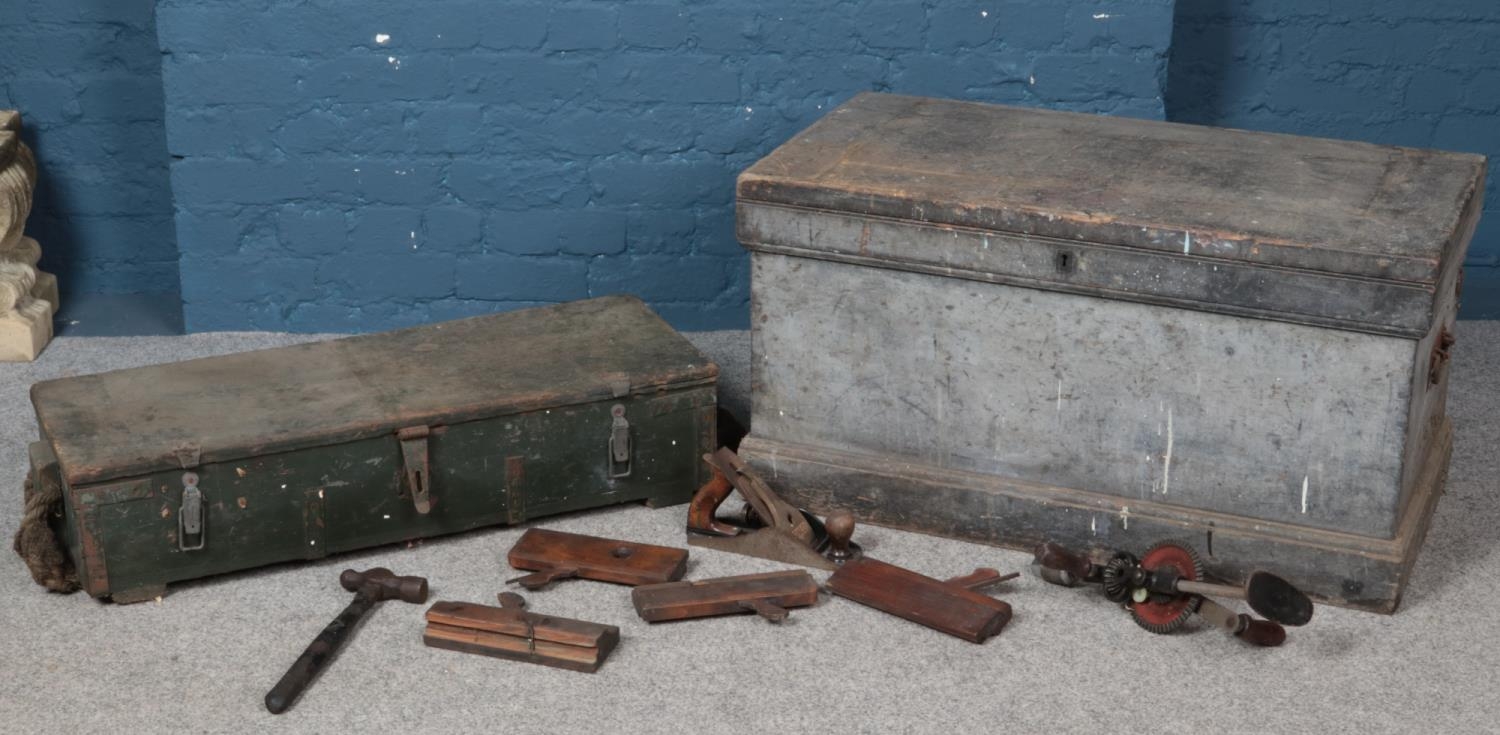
(192, 532)
(952, 606)
(513, 632)
(771, 528)
(619, 443)
(369, 587)
(414, 459)
(1165, 587)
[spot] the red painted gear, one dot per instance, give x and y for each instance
(1166, 616)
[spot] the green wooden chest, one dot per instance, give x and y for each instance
(208, 466)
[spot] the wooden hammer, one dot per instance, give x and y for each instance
(369, 587)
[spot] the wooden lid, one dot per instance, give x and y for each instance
(1307, 203)
(131, 422)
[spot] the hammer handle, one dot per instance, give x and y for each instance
(318, 654)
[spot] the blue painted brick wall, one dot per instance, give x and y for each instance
(343, 165)
(1423, 74)
(86, 76)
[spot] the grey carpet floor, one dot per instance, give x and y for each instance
(202, 658)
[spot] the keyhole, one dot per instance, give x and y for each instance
(1065, 262)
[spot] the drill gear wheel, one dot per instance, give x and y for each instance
(1116, 577)
(1163, 613)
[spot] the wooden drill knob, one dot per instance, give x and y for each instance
(840, 529)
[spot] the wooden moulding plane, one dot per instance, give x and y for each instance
(952, 606)
(767, 595)
(512, 632)
(555, 555)
(771, 527)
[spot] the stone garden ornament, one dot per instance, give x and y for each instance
(28, 297)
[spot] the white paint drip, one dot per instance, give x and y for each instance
(1101, 16)
(1059, 395)
(984, 13)
(1187, 242)
(382, 38)
(1125, 517)
(1304, 494)
(1166, 461)
(1094, 525)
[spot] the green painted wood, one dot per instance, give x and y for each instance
(322, 497)
(127, 423)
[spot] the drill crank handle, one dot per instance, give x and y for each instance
(1258, 632)
(1270, 596)
(319, 653)
(1191, 587)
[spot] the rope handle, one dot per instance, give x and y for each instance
(36, 542)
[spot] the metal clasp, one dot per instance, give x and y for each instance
(414, 457)
(190, 521)
(619, 443)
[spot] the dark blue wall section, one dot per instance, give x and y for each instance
(86, 76)
(1423, 74)
(352, 165)
(355, 165)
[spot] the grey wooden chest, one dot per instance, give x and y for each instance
(1012, 325)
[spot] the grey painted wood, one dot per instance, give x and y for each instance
(1337, 568)
(1281, 422)
(1173, 279)
(1296, 202)
(1013, 315)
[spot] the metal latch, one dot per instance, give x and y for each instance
(414, 458)
(619, 443)
(190, 523)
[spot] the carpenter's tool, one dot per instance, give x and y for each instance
(512, 632)
(1165, 586)
(369, 587)
(771, 527)
(953, 606)
(767, 595)
(555, 555)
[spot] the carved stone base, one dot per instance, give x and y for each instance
(26, 330)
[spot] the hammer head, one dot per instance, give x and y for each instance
(385, 584)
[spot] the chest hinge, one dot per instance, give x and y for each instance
(414, 459)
